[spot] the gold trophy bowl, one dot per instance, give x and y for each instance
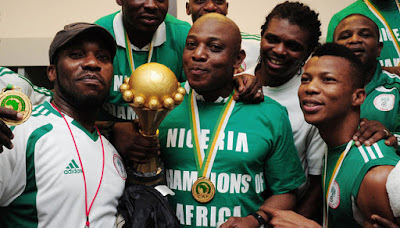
(152, 91)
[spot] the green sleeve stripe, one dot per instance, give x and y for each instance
(41, 90)
(22, 211)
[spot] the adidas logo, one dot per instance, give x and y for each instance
(72, 168)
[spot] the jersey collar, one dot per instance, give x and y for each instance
(160, 35)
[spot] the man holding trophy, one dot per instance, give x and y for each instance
(215, 150)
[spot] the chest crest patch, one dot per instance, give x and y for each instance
(384, 102)
(334, 197)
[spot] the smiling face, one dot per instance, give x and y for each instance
(198, 8)
(83, 72)
(327, 93)
(283, 49)
(361, 35)
(211, 54)
(144, 15)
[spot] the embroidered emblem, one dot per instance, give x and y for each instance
(384, 102)
(119, 166)
(334, 197)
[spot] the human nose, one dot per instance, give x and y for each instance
(312, 87)
(91, 62)
(355, 39)
(150, 4)
(210, 6)
(199, 54)
(279, 49)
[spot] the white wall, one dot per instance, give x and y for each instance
(27, 26)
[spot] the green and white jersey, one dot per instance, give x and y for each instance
(383, 100)
(41, 180)
(169, 42)
(256, 154)
(37, 95)
(251, 45)
(343, 211)
(389, 10)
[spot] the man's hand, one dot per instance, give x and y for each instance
(133, 145)
(247, 222)
(380, 222)
(287, 219)
(372, 131)
(393, 70)
(248, 89)
(5, 133)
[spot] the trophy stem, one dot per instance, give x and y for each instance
(149, 174)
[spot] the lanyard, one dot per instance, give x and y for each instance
(377, 14)
(129, 53)
(205, 160)
(87, 211)
(332, 179)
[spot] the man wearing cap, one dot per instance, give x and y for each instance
(60, 172)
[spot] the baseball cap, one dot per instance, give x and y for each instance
(71, 31)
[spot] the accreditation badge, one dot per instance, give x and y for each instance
(203, 190)
(13, 98)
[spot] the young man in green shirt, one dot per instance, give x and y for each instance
(331, 93)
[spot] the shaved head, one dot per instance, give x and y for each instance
(219, 21)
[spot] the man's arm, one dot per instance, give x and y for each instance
(372, 197)
(311, 202)
(285, 201)
(371, 131)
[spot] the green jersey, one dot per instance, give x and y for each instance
(169, 42)
(256, 153)
(343, 211)
(383, 98)
(390, 12)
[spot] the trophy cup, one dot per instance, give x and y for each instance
(152, 91)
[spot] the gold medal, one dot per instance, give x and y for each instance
(18, 101)
(203, 190)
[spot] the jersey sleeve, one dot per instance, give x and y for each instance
(13, 172)
(315, 152)
(36, 94)
(283, 169)
(375, 155)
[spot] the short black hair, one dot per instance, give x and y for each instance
(298, 14)
(333, 49)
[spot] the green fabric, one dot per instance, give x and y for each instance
(169, 54)
(22, 211)
(257, 154)
(383, 98)
(389, 56)
(345, 193)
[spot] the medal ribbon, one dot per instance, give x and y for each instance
(129, 54)
(385, 23)
(332, 179)
(87, 211)
(205, 160)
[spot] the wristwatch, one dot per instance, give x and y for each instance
(261, 221)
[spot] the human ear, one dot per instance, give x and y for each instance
(358, 97)
(51, 72)
(239, 59)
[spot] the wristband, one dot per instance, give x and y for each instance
(261, 221)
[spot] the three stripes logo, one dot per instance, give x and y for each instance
(72, 168)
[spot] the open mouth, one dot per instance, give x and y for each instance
(311, 106)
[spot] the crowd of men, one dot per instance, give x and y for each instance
(284, 131)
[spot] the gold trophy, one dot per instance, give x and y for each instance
(152, 91)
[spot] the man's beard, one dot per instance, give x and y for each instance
(81, 101)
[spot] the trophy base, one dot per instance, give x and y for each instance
(149, 179)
